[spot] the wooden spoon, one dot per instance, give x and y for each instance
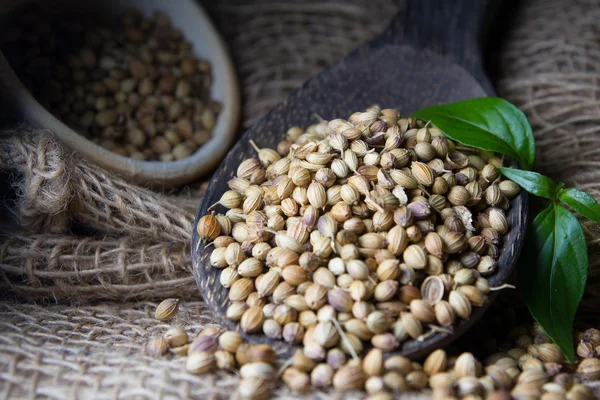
(428, 55)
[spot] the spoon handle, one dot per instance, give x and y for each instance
(451, 28)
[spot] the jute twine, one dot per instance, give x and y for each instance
(88, 235)
(58, 188)
(147, 255)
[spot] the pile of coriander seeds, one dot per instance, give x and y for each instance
(524, 364)
(377, 223)
(376, 229)
(133, 86)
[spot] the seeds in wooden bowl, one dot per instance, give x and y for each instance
(134, 87)
(384, 220)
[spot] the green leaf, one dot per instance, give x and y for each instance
(534, 183)
(487, 123)
(556, 273)
(581, 202)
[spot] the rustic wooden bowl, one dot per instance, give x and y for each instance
(408, 67)
(188, 16)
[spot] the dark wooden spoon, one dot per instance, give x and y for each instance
(429, 54)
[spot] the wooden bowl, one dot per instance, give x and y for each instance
(216, 296)
(186, 15)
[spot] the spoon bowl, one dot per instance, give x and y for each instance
(404, 68)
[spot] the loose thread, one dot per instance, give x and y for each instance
(503, 286)
(286, 364)
(345, 339)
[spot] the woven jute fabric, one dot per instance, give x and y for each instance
(140, 243)
(82, 277)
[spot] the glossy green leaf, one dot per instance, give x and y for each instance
(554, 273)
(534, 183)
(487, 123)
(581, 202)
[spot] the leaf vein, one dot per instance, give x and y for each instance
(554, 262)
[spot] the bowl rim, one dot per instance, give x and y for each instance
(161, 173)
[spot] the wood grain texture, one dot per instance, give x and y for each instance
(454, 29)
(392, 74)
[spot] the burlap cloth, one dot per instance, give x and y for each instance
(81, 280)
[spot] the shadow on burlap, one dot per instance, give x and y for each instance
(132, 244)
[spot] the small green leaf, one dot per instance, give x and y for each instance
(581, 202)
(555, 276)
(534, 183)
(487, 123)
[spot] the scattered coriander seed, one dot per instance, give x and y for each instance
(590, 368)
(447, 376)
(167, 309)
(200, 363)
(230, 341)
(296, 380)
(176, 337)
(157, 347)
(204, 343)
(255, 389)
(349, 378)
(360, 266)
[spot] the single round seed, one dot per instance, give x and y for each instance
(176, 337)
(230, 341)
(157, 347)
(200, 363)
(167, 309)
